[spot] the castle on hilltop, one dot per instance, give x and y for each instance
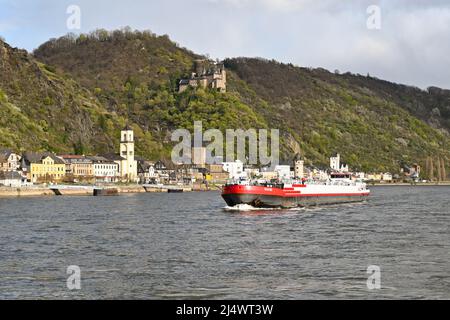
(207, 74)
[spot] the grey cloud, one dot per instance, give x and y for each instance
(412, 47)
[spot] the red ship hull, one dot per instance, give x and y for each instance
(297, 196)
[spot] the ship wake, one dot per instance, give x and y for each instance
(247, 207)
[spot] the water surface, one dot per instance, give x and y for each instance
(186, 246)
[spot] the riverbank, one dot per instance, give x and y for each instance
(41, 191)
(25, 192)
(404, 184)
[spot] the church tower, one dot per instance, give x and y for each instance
(299, 167)
(128, 166)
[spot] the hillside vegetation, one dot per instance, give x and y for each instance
(41, 110)
(372, 123)
(77, 91)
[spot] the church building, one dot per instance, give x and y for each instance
(128, 164)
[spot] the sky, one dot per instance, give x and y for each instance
(404, 41)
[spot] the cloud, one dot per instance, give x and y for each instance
(412, 46)
(281, 5)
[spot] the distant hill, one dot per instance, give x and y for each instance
(41, 110)
(373, 123)
(133, 76)
(136, 75)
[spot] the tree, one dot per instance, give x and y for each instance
(443, 171)
(438, 168)
(79, 147)
(82, 38)
(427, 167)
(431, 170)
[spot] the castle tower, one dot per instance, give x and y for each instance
(335, 162)
(128, 166)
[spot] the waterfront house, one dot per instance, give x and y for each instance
(411, 172)
(43, 167)
(235, 169)
(268, 175)
(11, 179)
(374, 176)
(387, 177)
(146, 171)
(104, 170)
(79, 167)
(360, 175)
(166, 171)
(216, 173)
(318, 173)
(283, 171)
(9, 161)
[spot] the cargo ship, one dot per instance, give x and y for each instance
(338, 189)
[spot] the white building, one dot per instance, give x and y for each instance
(234, 169)
(360, 175)
(299, 168)
(318, 174)
(252, 172)
(335, 164)
(147, 172)
(9, 161)
(127, 166)
(284, 172)
(11, 179)
(105, 170)
(386, 177)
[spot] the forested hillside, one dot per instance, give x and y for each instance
(75, 92)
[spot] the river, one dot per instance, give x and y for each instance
(189, 246)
